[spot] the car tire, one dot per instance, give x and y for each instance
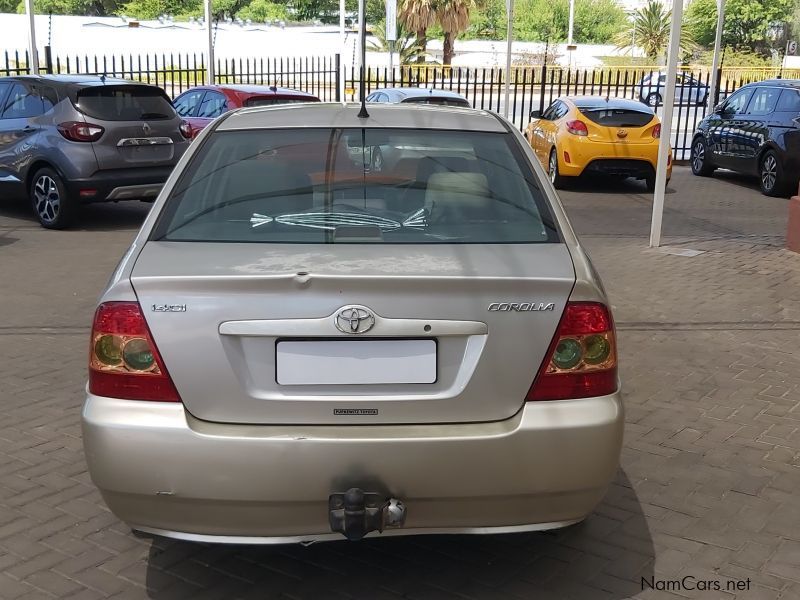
(558, 181)
(771, 176)
(698, 158)
(49, 199)
(653, 100)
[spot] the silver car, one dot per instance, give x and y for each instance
(688, 90)
(297, 348)
(67, 140)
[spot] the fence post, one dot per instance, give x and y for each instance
(718, 77)
(338, 77)
(48, 60)
(541, 89)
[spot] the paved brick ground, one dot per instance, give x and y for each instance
(710, 469)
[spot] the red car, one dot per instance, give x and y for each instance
(201, 105)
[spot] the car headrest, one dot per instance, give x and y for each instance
(457, 194)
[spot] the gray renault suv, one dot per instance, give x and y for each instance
(72, 139)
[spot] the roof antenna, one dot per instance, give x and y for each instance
(363, 114)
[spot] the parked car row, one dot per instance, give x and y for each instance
(66, 140)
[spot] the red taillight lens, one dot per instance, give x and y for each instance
(657, 131)
(80, 132)
(577, 127)
(582, 359)
(186, 130)
(123, 359)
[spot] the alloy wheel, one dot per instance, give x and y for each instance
(698, 156)
(553, 167)
(48, 198)
(769, 172)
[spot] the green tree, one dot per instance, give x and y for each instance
(453, 17)
(489, 20)
(418, 16)
(264, 10)
(63, 7)
(150, 9)
(405, 46)
(596, 21)
(651, 29)
(746, 22)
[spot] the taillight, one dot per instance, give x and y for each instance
(123, 359)
(577, 127)
(657, 131)
(186, 130)
(80, 132)
(582, 359)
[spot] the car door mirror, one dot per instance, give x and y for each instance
(536, 114)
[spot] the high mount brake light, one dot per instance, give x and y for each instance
(123, 359)
(581, 361)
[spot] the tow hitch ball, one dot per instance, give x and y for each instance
(355, 513)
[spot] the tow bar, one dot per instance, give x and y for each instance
(355, 513)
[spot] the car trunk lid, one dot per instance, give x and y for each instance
(620, 125)
(477, 319)
(141, 127)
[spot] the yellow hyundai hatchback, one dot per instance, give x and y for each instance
(590, 134)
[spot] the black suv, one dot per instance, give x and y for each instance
(756, 130)
(71, 139)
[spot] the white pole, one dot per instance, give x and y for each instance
(33, 55)
(509, 39)
(361, 31)
(712, 91)
(666, 123)
(571, 21)
(342, 41)
(210, 31)
(391, 31)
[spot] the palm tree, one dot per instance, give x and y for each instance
(417, 16)
(453, 16)
(651, 27)
(406, 44)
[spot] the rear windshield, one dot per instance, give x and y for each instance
(437, 100)
(272, 100)
(124, 103)
(617, 117)
(322, 186)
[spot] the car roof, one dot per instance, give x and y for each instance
(76, 79)
(417, 92)
(607, 102)
(793, 83)
(326, 115)
(259, 89)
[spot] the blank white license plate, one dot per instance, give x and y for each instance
(356, 362)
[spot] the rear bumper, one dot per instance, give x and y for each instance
(631, 160)
(161, 470)
(120, 184)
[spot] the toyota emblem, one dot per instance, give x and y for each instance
(354, 319)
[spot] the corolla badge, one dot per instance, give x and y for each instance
(521, 306)
(354, 319)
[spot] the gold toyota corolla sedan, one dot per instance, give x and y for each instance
(299, 347)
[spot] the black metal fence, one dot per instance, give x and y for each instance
(531, 87)
(175, 72)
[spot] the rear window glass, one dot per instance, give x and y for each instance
(323, 186)
(439, 101)
(124, 103)
(270, 101)
(617, 117)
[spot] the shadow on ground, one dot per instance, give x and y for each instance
(612, 550)
(108, 216)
